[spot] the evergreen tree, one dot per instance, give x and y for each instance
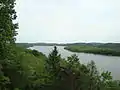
(53, 62)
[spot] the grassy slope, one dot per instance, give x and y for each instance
(93, 49)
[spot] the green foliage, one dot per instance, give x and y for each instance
(7, 33)
(94, 50)
(53, 62)
(24, 69)
(82, 77)
(7, 27)
(35, 53)
(114, 46)
(73, 62)
(28, 71)
(4, 81)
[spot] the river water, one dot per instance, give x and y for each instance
(103, 63)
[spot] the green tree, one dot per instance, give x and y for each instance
(79, 73)
(106, 80)
(7, 33)
(93, 76)
(7, 29)
(53, 62)
(73, 62)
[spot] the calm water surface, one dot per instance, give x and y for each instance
(110, 63)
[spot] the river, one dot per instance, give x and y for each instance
(103, 63)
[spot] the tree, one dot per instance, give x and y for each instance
(106, 79)
(53, 62)
(7, 28)
(93, 76)
(73, 62)
(7, 32)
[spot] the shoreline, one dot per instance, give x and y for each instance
(98, 51)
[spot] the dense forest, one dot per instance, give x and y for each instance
(24, 69)
(103, 49)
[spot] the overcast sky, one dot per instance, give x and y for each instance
(64, 21)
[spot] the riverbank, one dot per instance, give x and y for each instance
(93, 50)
